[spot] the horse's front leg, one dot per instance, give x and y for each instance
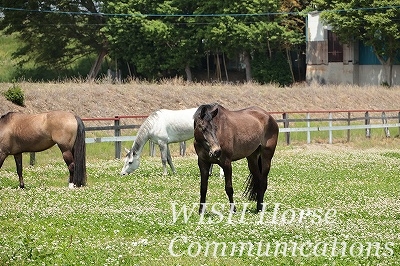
(164, 156)
(204, 174)
(18, 163)
(3, 156)
(169, 160)
(227, 167)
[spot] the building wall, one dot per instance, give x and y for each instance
(373, 75)
(357, 66)
(333, 73)
(315, 29)
(338, 73)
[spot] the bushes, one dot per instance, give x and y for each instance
(15, 95)
(271, 70)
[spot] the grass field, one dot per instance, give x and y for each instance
(326, 204)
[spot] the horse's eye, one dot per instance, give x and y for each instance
(130, 162)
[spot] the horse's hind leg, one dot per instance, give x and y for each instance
(18, 163)
(69, 160)
(258, 184)
(265, 159)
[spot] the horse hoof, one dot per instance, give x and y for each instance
(202, 210)
(71, 186)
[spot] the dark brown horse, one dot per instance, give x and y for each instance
(37, 132)
(222, 136)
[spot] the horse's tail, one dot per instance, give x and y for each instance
(79, 151)
(251, 185)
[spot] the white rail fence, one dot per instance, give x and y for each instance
(369, 119)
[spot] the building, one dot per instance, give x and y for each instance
(331, 62)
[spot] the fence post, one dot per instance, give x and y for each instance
(32, 158)
(348, 123)
(384, 121)
(399, 123)
(286, 125)
(367, 122)
(308, 127)
(117, 133)
(330, 126)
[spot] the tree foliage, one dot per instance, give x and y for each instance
(154, 43)
(156, 37)
(54, 33)
(273, 69)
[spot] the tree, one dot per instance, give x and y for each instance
(56, 33)
(243, 28)
(293, 29)
(159, 38)
(184, 44)
(375, 22)
(153, 37)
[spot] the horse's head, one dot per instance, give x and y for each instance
(205, 129)
(132, 161)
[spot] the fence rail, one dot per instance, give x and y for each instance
(344, 116)
(364, 116)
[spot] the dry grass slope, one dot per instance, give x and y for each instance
(107, 100)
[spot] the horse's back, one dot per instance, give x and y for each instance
(62, 126)
(173, 125)
(246, 129)
(266, 122)
(49, 123)
(253, 117)
(37, 132)
(61, 120)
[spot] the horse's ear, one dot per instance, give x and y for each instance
(203, 111)
(127, 151)
(214, 112)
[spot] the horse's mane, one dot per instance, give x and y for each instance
(201, 111)
(142, 134)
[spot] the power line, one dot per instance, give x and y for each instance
(193, 15)
(143, 15)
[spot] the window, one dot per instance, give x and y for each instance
(335, 49)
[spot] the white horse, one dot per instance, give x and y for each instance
(162, 127)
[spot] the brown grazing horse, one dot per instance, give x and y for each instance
(37, 132)
(222, 136)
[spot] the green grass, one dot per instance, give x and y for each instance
(10, 71)
(129, 220)
(8, 44)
